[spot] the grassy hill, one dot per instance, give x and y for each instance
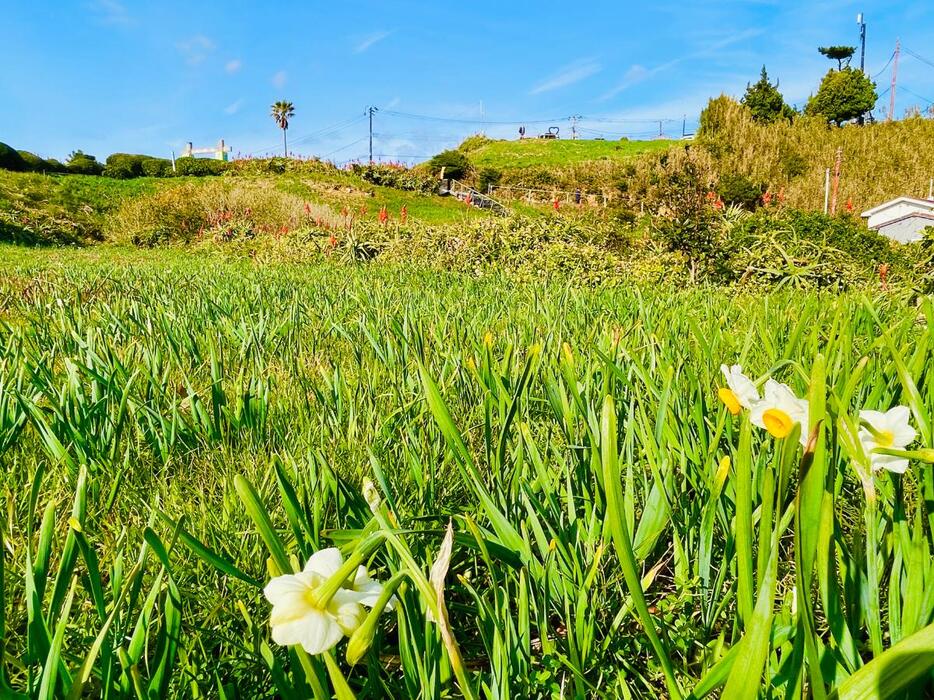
(505, 155)
(38, 208)
(562, 164)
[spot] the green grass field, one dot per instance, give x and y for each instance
(177, 430)
(504, 155)
(72, 208)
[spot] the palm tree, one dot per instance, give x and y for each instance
(282, 111)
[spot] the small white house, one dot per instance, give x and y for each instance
(901, 219)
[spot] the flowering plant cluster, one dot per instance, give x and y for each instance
(778, 410)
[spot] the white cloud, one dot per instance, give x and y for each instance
(111, 12)
(573, 73)
(233, 107)
(234, 65)
(279, 79)
(195, 49)
(637, 73)
(368, 41)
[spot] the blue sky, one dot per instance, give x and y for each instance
(118, 75)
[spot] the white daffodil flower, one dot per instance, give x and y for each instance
(298, 618)
(739, 392)
(890, 430)
(779, 411)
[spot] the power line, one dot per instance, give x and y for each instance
(306, 137)
(920, 97)
(344, 147)
(328, 130)
(917, 56)
(428, 117)
(887, 63)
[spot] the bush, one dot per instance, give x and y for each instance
(157, 167)
(124, 166)
(222, 210)
(810, 249)
(33, 162)
(488, 177)
(397, 176)
(11, 160)
(83, 164)
(55, 166)
(740, 190)
(843, 95)
(200, 167)
(454, 163)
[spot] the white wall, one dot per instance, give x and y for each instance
(894, 212)
(906, 230)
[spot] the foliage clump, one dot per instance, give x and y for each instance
(765, 102)
(80, 163)
(843, 95)
(10, 159)
(453, 162)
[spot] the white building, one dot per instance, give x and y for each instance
(902, 219)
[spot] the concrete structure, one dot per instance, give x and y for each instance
(901, 219)
(218, 152)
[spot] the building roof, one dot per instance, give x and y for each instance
(912, 215)
(921, 203)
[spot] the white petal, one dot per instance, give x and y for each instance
(897, 415)
(743, 387)
(366, 588)
(346, 610)
(874, 418)
(897, 465)
(325, 562)
(756, 412)
(282, 588)
(316, 632)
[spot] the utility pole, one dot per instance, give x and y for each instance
(370, 111)
(684, 126)
(574, 121)
(660, 128)
(482, 115)
(862, 42)
(836, 181)
(898, 50)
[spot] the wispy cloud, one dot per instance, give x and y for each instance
(111, 12)
(233, 107)
(233, 65)
(195, 49)
(279, 79)
(638, 73)
(368, 41)
(570, 74)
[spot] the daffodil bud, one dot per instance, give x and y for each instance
(362, 638)
(371, 495)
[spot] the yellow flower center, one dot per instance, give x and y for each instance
(777, 422)
(885, 438)
(730, 400)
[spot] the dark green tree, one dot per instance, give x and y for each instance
(765, 102)
(843, 95)
(84, 164)
(454, 163)
(838, 54)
